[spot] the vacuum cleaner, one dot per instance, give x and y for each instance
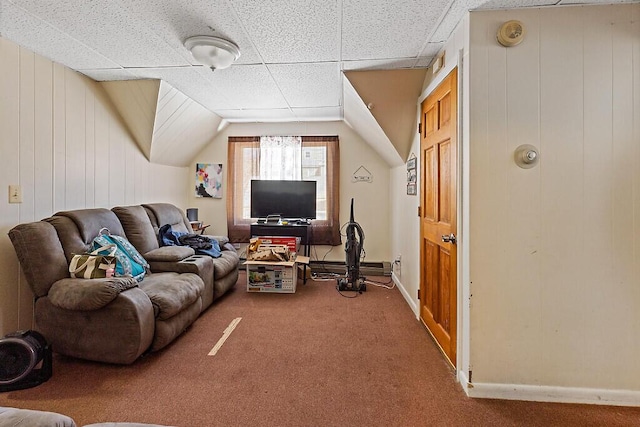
(353, 251)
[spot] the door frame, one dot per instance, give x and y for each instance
(463, 365)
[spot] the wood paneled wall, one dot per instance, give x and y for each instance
(63, 142)
(555, 250)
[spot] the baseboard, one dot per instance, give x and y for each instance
(412, 304)
(533, 393)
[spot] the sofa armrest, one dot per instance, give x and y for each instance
(33, 418)
(169, 254)
(88, 294)
(228, 247)
(222, 240)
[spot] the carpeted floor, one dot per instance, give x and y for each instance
(313, 358)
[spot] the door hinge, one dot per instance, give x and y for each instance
(418, 293)
(419, 211)
(420, 128)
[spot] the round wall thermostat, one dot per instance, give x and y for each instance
(526, 156)
(510, 33)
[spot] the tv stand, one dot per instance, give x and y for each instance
(301, 230)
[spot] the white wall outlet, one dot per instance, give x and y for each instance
(397, 266)
(15, 194)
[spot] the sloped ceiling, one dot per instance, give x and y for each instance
(391, 97)
(169, 127)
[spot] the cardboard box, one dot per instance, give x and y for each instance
(293, 243)
(274, 277)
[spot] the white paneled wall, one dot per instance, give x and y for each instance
(62, 141)
(555, 250)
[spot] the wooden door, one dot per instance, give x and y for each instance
(438, 250)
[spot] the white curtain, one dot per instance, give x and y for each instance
(281, 150)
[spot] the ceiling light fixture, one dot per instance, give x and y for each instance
(213, 52)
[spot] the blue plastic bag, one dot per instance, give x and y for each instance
(129, 262)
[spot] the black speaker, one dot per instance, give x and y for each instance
(20, 354)
(192, 214)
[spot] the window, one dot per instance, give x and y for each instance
(312, 158)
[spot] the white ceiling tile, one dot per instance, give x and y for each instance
(287, 31)
(249, 86)
(106, 26)
(425, 61)
(194, 82)
(28, 31)
(306, 85)
(318, 114)
(105, 74)
(432, 49)
(450, 21)
(177, 20)
(386, 29)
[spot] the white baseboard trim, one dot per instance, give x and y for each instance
(405, 294)
(549, 393)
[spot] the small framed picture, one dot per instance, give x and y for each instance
(412, 175)
(411, 163)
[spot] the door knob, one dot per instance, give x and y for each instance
(451, 238)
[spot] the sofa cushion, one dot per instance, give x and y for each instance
(137, 226)
(169, 254)
(223, 241)
(90, 221)
(170, 293)
(165, 213)
(88, 294)
(77, 229)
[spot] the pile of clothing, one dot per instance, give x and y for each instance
(203, 245)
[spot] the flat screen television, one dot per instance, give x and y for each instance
(289, 199)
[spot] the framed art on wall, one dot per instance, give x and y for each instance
(411, 189)
(412, 175)
(209, 180)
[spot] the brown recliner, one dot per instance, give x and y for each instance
(225, 268)
(182, 259)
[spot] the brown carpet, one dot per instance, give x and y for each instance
(313, 358)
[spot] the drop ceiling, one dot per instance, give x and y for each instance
(293, 52)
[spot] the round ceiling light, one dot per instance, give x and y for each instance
(213, 52)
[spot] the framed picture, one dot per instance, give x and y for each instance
(411, 189)
(412, 175)
(209, 180)
(411, 163)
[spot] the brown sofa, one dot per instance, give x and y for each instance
(116, 319)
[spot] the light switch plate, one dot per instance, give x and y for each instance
(15, 194)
